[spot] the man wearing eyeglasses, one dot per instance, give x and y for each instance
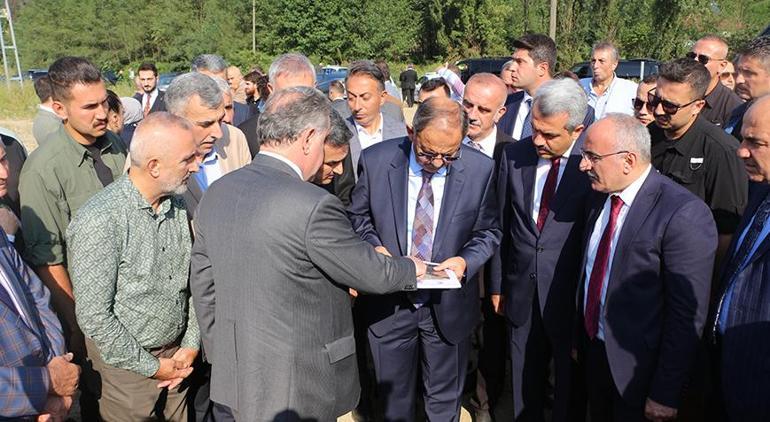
(711, 51)
(692, 151)
(646, 274)
(433, 199)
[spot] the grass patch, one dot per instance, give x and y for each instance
(21, 102)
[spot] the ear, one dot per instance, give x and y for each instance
(153, 168)
(578, 130)
(630, 162)
(306, 139)
(270, 88)
(543, 69)
(499, 114)
(615, 66)
(698, 106)
(383, 96)
(722, 66)
(60, 110)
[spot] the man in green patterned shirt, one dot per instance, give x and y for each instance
(129, 256)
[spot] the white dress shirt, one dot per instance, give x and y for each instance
(365, 139)
(285, 160)
(521, 116)
(153, 96)
(5, 283)
(627, 195)
(617, 98)
(487, 144)
(541, 174)
(437, 183)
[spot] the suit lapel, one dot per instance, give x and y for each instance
(452, 194)
(10, 272)
(761, 191)
(528, 172)
(398, 176)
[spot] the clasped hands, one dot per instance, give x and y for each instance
(174, 370)
(64, 377)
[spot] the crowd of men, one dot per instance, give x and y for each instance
(245, 248)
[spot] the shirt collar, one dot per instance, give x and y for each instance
(685, 143)
(125, 183)
(360, 129)
(285, 160)
(629, 193)
(415, 169)
(488, 143)
(48, 109)
(609, 87)
(103, 142)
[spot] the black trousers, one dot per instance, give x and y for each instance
(408, 94)
(604, 401)
(486, 376)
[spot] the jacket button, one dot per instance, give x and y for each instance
(532, 276)
(540, 249)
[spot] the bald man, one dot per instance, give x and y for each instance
(484, 101)
(431, 198)
(711, 51)
(129, 256)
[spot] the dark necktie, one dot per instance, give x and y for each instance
(742, 254)
(147, 104)
(475, 145)
(422, 232)
(599, 270)
(526, 127)
(548, 191)
(102, 171)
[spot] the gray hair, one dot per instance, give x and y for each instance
(132, 110)
(606, 46)
(507, 64)
(145, 136)
(562, 96)
(290, 63)
(211, 62)
(437, 108)
(290, 111)
(185, 87)
(630, 135)
(759, 49)
(340, 134)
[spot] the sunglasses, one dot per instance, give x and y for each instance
(725, 75)
(668, 107)
(702, 58)
(638, 104)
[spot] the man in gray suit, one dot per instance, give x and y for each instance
(277, 327)
(46, 121)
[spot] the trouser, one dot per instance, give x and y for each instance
(414, 345)
(127, 396)
(532, 351)
(486, 378)
(604, 401)
(408, 94)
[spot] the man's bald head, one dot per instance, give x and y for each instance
(491, 83)
(484, 101)
(151, 136)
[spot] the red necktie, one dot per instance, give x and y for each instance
(593, 302)
(147, 105)
(548, 191)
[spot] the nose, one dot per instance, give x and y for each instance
(216, 130)
(742, 151)
(337, 169)
(585, 165)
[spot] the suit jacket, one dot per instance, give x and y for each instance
(233, 154)
(512, 103)
(44, 124)
(745, 345)
(657, 291)
(268, 277)
(341, 106)
(530, 260)
(241, 113)
(467, 227)
(26, 349)
(249, 128)
(158, 105)
(408, 79)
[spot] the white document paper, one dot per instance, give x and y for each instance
(442, 279)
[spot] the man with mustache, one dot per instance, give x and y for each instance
(129, 254)
(72, 165)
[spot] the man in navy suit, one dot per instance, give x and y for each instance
(433, 198)
(152, 98)
(649, 255)
(742, 322)
(543, 197)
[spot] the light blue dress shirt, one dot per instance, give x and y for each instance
(437, 183)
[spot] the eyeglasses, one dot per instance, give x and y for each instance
(725, 75)
(638, 104)
(594, 158)
(668, 107)
(702, 58)
(445, 158)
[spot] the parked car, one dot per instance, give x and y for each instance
(329, 73)
(470, 67)
(34, 74)
(627, 69)
(164, 80)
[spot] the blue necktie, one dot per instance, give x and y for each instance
(526, 128)
(422, 232)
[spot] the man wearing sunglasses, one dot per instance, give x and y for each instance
(641, 111)
(711, 51)
(433, 199)
(692, 151)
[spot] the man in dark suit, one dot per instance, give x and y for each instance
(277, 327)
(483, 99)
(337, 97)
(649, 255)
(152, 98)
(741, 323)
(286, 71)
(543, 197)
(407, 195)
(408, 79)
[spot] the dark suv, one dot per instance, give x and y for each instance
(470, 67)
(627, 69)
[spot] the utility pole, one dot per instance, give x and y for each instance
(5, 13)
(552, 27)
(254, 26)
